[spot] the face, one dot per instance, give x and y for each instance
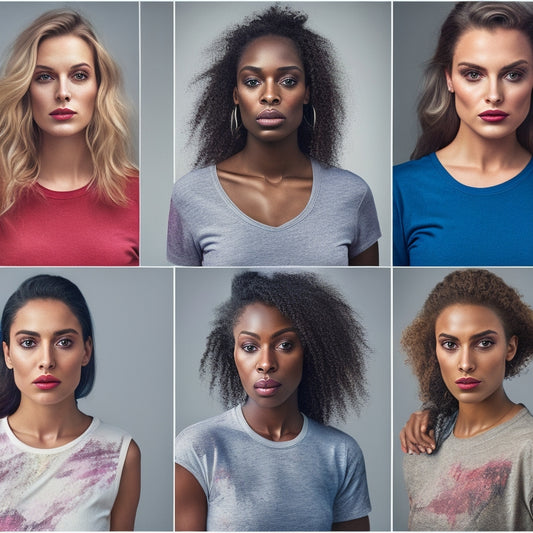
(268, 356)
(492, 78)
(271, 89)
(64, 86)
(472, 350)
(46, 352)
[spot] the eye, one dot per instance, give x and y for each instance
(289, 82)
(27, 343)
(249, 348)
(514, 75)
(64, 343)
(472, 75)
(251, 82)
(80, 76)
(486, 343)
(286, 346)
(43, 77)
(449, 345)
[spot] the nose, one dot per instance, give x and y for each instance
(267, 361)
(466, 361)
(270, 95)
(63, 90)
(494, 91)
(47, 358)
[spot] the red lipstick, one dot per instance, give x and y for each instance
(46, 382)
(270, 118)
(62, 113)
(467, 383)
(493, 115)
(266, 387)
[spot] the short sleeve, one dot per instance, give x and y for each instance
(367, 228)
(352, 500)
(181, 246)
(186, 456)
(400, 252)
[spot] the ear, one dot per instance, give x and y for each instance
(307, 95)
(511, 348)
(449, 81)
(88, 352)
(235, 96)
(7, 359)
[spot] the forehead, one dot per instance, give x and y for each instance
(269, 49)
(69, 49)
(460, 319)
(258, 315)
(45, 313)
(492, 46)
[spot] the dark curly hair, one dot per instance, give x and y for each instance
(44, 287)
(474, 287)
(436, 109)
(210, 123)
(332, 338)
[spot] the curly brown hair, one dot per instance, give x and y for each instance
(474, 287)
(210, 123)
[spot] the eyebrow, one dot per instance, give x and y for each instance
(475, 336)
(56, 333)
(273, 336)
(77, 65)
(506, 67)
(280, 69)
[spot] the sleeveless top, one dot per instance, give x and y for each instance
(72, 487)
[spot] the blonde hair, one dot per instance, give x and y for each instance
(107, 135)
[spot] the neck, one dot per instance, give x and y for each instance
(279, 423)
(474, 418)
(65, 162)
(471, 150)
(272, 160)
(47, 425)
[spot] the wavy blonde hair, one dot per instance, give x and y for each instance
(107, 135)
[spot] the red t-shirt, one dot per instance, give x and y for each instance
(69, 228)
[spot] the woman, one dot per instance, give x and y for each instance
(269, 138)
(472, 163)
(68, 189)
(61, 469)
(266, 356)
(472, 332)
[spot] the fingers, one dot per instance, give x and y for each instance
(415, 437)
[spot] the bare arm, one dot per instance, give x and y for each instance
(191, 502)
(415, 438)
(359, 524)
(370, 257)
(125, 506)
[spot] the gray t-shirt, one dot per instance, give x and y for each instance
(206, 228)
(254, 484)
(482, 483)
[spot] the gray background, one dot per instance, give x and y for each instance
(360, 33)
(416, 32)
(132, 319)
(411, 288)
(200, 291)
(157, 139)
(116, 25)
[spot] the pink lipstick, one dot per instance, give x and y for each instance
(62, 113)
(467, 383)
(47, 382)
(266, 387)
(270, 118)
(493, 115)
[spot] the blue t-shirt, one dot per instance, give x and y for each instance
(255, 484)
(441, 222)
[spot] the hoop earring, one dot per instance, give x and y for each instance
(312, 126)
(234, 120)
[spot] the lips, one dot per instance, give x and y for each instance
(270, 118)
(493, 115)
(467, 383)
(266, 387)
(46, 382)
(62, 113)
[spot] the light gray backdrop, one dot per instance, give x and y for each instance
(132, 319)
(200, 291)
(360, 33)
(116, 25)
(411, 288)
(416, 32)
(157, 118)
